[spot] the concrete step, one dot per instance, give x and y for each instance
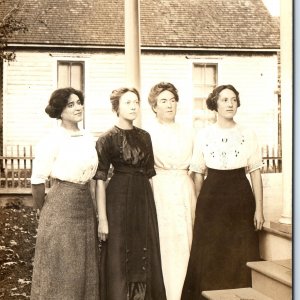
(272, 278)
(235, 294)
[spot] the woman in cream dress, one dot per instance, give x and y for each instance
(173, 188)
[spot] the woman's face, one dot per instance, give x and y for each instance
(73, 112)
(227, 104)
(166, 107)
(129, 106)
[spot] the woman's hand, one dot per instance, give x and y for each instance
(103, 229)
(259, 220)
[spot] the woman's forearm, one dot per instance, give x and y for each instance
(101, 199)
(198, 180)
(257, 187)
(38, 194)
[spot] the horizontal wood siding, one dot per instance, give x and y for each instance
(29, 82)
(32, 77)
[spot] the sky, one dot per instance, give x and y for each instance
(273, 6)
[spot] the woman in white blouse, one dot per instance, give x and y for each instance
(228, 212)
(66, 252)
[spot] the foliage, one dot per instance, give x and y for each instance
(10, 25)
(17, 240)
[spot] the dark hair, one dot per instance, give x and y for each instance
(117, 94)
(213, 97)
(59, 100)
(159, 88)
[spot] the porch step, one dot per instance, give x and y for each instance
(275, 244)
(272, 278)
(235, 294)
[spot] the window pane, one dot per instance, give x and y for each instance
(76, 76)
(210, 75)
(63, 76)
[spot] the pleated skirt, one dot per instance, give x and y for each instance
(66, 262)
(224, 237)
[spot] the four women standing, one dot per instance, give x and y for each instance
(146, 244)
(173, 188)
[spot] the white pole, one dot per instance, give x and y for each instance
(132, 46)
(286, 56)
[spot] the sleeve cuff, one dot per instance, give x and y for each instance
(100, 175)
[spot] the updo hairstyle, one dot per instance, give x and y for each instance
(213, 97)
(159, 88)
(59, 100)
(117, 94)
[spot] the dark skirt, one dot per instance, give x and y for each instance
(224, 237)
(130, 258)
(66, 263)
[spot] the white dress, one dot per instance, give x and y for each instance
(175, 199)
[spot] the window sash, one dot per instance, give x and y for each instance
(204, 81)
(70, 73)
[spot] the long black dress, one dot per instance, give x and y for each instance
(130, 258)
(224, 237)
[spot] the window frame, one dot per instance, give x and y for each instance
(202, 62)
(70, 62)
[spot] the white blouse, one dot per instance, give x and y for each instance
(172, 146)
(66, 157)
(226, 149)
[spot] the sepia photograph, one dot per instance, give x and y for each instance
(146, 149)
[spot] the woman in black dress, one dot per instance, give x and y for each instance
(228, 211)
(130, 254)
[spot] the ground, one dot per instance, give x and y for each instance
(17, 240)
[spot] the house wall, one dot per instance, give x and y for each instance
(29, 81)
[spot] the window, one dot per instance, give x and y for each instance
(204, 81)
(70, 73)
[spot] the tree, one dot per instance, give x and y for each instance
(10, 24)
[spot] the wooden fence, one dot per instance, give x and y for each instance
(15, 169)
(16, 166)
(272, 160)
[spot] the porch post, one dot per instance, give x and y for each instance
(286, 55)
(132, 46)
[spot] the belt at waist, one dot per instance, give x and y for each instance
(171, 171)
(130, 170)
(72, 184)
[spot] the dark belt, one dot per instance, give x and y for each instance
(130, 170)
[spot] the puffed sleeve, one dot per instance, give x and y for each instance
(255, 160)
(104, 160)
(150, 164)
(45, 155)
(197, 162)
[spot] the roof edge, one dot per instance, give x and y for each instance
(149, 48)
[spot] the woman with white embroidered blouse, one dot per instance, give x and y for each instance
(66, 252)
(229, 212)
